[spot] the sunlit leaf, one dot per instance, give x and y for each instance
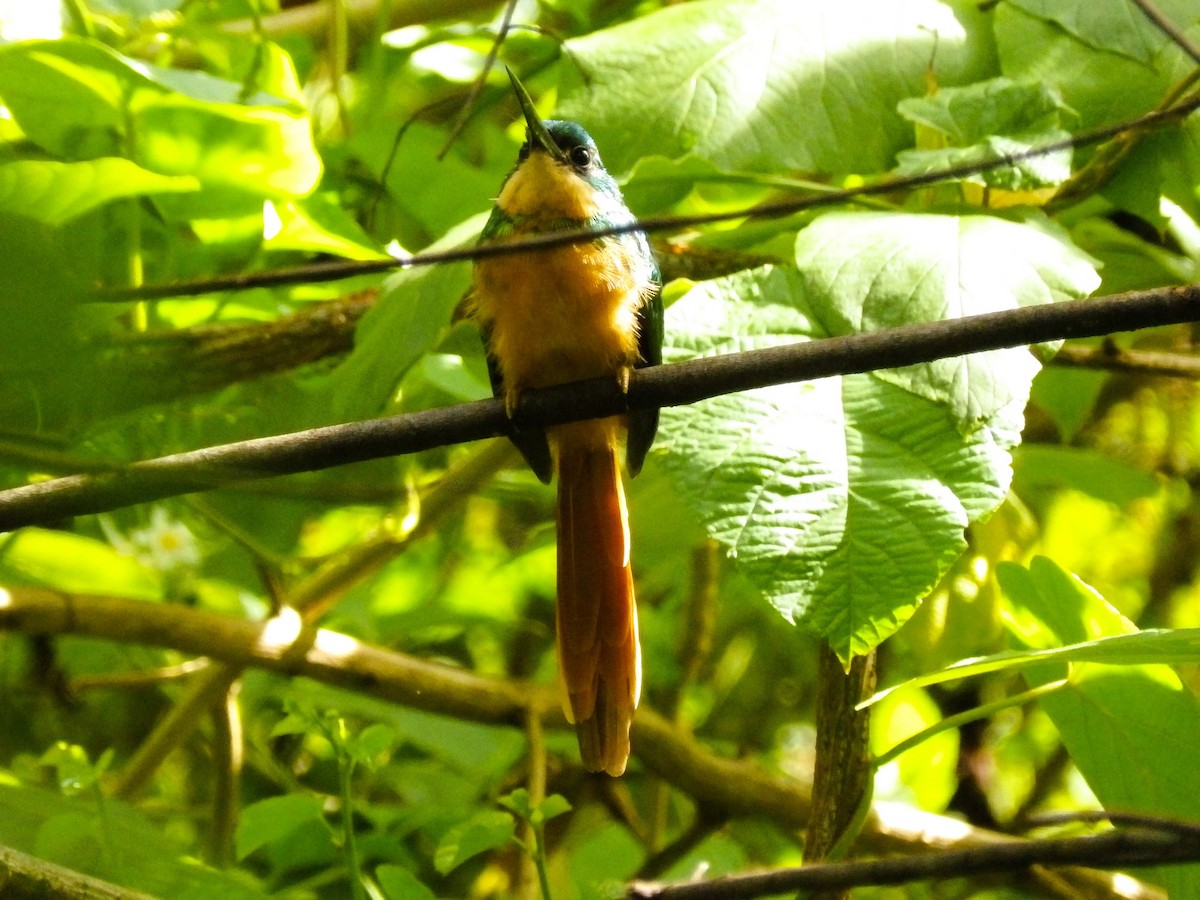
(273, 819)
(483, 831)
(74, 564)
(413, 310)
(762, 85)
(399, 883)
(845, 499)
(54, 192)
(1129, 729)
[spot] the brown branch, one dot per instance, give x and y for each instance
(842, 773)
(659, 386)
(1110, 357)
(1111, 850)
(130, 371)
(312, 598)
(25, 877)
(721, 786)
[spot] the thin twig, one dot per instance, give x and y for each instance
(658, 386)
(1167, 27)
(332, 271)
(228, 752)
(464, 114)
(136, 679)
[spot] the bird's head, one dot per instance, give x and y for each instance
(558, 173)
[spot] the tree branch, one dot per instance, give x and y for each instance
(659, 386)
(1112, 850)
(24, 877)
(1109, 356)
(285, 644)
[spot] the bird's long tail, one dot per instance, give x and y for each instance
(598, 652)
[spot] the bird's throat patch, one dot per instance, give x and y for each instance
(543, 190)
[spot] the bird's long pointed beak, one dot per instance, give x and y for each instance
(537, 128)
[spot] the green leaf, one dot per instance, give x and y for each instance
(521, 805)
(317, 224)
(483, 831)
(1173, 647)
(1131, 731)
(869, 271)
(54, 192)
(553, 806)
(73, 564)
(925, 775)
(74, 771)
(78, 99)
(431, 198)
(263, 151)
(273, 819)
(989, 119)
(114, 842)
(1044, 170)
(845, 499)
(763, 85)
(399, 883)
(518, 802)
(67, 94)
(1112, 25)
(966, 115)
(413, 311)
(1105, 58)
(1102, 476)
(371, 743)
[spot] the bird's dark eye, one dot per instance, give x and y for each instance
(581, 157)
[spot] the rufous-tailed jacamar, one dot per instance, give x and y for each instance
(563, 314)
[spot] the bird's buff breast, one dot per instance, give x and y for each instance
(560, 315)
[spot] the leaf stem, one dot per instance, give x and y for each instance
(962, 718)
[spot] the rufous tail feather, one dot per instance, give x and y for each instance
(598, 652)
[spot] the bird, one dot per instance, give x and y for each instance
(551, 316)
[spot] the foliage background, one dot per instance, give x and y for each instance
(158, 142)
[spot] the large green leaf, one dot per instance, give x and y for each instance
(869, 271)
(483, 831)
(1132, 730)
(1104, 57)
(54, 192)
(764, 85)
(414, 309)
(274, 819)
(73, 563)
(984, 120)
(1113, 25)
(79, 99)
(845, 499)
